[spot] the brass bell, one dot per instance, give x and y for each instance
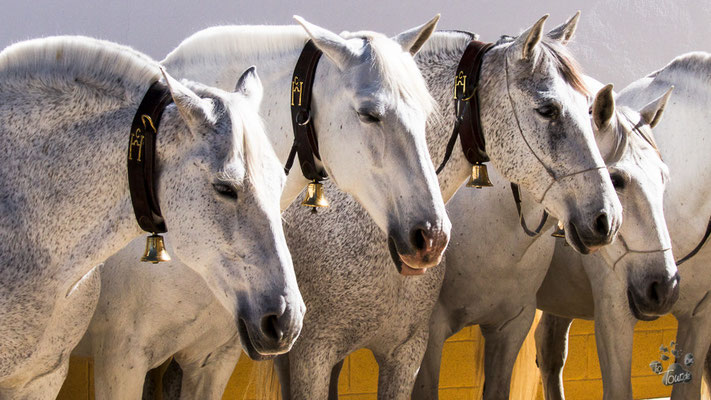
(155, 250)
(559, 232)
(480, 177)
(314, 196)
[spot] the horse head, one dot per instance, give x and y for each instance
(376, 111)
(534, 114)
(642, 252)
(220, 195)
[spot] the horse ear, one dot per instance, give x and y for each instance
(564, 32)
(527, 41)
(412, 40)
(603, 107)
(652, 112)
(250, 86)
(333, 46)
(191, 107)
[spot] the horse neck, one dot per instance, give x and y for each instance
(682, 139)
(221, 67)
(438, 63)
(70, 180)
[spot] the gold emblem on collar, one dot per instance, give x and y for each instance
(138, 137)
(460, 80)
(296, 88)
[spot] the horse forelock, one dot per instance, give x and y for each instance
(77, 60)
(558, 55)
(565, 64)
(399, 71)
(626, 124)
(255, 149)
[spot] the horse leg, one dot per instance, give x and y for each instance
(281, 364)
(205, 376)
(398, 367)
(552, 351)
(45, 386)
(693, 337)
(309, 371)
(427, 382)
(501, 346)
(707, 370)
(613, 336)
(333, 383)
(46, 369)
(119, 378)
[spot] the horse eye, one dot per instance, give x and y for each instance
(368, 118)
(618, 181)
(225, 190)
(548, 111)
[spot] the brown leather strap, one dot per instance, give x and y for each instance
(466, 105)
(141, 158)
(305, 141)
(517, 199)
(698, 246)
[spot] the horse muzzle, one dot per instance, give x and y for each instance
(270, 334)
(588, 236)
(652, 297)
(422, 250)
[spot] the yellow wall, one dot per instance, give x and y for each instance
(458, 378)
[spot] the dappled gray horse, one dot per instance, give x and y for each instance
(66, 111)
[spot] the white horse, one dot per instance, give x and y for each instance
(370, 106)
(355, 268)
(66, 106)
(681, 137)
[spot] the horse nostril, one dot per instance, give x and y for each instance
(602, 224)
(654, 292)
(420, 239)
(270, 327)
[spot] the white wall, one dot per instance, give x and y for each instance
(617, 40)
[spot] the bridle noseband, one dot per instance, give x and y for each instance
(629, 251)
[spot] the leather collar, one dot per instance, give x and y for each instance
(141, 158)
(467, 125)
(305, 140)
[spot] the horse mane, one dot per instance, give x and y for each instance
(62, 61)
(627, 124)
(694, 65)
(220, 44)
(448, 41)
